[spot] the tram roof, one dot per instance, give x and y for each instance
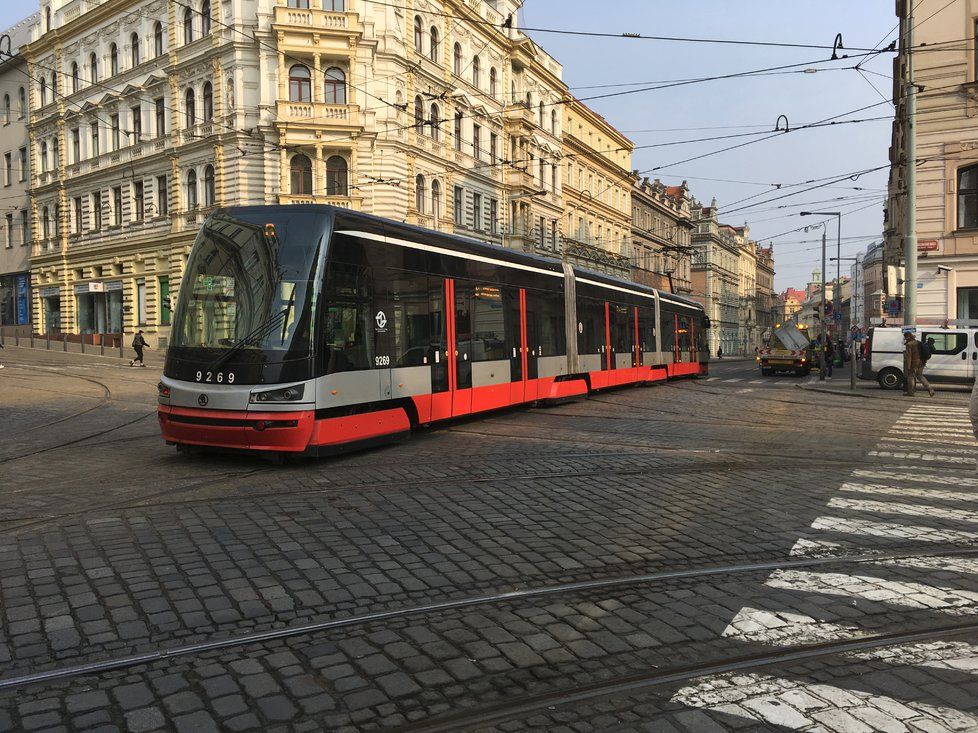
(465, 244)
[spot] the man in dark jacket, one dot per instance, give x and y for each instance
(138, 344)
(913, 366)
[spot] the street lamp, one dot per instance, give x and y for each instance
(838, 252)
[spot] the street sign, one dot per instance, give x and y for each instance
(892, 306)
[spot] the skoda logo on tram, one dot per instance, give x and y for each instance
(202, 400)
(381, 319)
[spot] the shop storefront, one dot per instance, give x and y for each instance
(15, 299)
(99, 307)
(51, 308)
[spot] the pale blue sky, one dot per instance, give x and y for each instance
(732, 103)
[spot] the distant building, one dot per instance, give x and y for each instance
(661, 226)
(15, 228)
(789, 304)
(716, 277)
(766, 298)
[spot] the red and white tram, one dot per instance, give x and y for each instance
(307, 328)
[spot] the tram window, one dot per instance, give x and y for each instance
(622, 328)
(684, 334)
(551, 336)
(646, 328)
(590, 317)
(349, 327)
(480, 321)
(411, 327)
(668, 329)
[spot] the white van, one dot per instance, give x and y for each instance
(954, 360)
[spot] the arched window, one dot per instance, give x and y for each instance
(457, 60)
(113, 60)
(420, 193)
(46, 221)
(158, 39)
(6, 108)
(335, 86)
(209, 192)
(553, 122)
(968, 197)
(418, 34)
(300, 84)
(44, 91)
(188, 28)
(93, 69)
(475, 71)
(192, 202)
(21, 101)
(434, 49)
(419, 114)
(44, 157)
(436, 200)
(208, 100)
(435, 122)
(189, 107)
(492, 82)
(74, 77)
(47, 19)
(300, 171)
(205, 17)
(54, 85)
(134, 59)
(336, 176)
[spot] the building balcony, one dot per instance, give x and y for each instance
(316, 20)
(319, 114)
(353, 203)
(519, 116)
(518, 178)
(41, 248)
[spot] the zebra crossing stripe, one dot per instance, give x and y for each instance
(881, 490)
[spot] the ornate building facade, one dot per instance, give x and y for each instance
(716, 277)
(597, 191)
(661, 227)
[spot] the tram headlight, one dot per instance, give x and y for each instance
(284, 394)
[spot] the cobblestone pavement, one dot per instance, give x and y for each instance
(593, 566)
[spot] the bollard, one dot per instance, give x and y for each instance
(83, 343)
(64, 340)
(32, 338)
(101, 347)
(16, 339)
(47, 338)
(121, 355)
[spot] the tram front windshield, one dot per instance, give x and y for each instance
(245, 310)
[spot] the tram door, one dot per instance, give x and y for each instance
(442, 345)
(515, 301)
(463, 348)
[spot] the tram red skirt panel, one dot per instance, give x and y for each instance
(337, 430)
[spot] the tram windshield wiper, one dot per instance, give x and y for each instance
(255, 337)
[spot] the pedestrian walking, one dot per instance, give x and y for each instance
(1, 363)
(719, 352)
(138, 344)
(913, 366)
(829, 357)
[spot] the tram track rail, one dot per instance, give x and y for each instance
(126, 661)
(476, 718)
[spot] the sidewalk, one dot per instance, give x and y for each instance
(11, 355)
(839, 385)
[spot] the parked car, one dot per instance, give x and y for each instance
(954, 359)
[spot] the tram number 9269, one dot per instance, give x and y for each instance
(382, 361)
(218, 378)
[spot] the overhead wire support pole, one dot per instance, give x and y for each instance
(910, 147)
(821, 318)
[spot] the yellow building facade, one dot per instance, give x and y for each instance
(597, 190)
